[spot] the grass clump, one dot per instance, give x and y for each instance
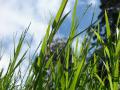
(58, 67)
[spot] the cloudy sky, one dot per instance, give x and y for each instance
(15, 16)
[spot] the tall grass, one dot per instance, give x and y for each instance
(62, 72)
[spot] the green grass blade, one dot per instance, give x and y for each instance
(67, 65)
(73, 24)
(44, 45)
(116, 67)
(100, 80)
(116, 75)
(95, 63)
(118, 21)
(98, 37)
(107, 25)
(118, 49)
(109, 75)
(59, 13)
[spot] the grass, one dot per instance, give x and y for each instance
(66, 69)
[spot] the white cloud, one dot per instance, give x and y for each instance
(16, 14)
(47, 7)
(93, 2)
(11, 20)
(4, 62)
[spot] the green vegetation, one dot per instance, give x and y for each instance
(65, 69)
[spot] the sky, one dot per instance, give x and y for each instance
(15, 16)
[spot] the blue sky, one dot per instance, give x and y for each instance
(15, 16)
